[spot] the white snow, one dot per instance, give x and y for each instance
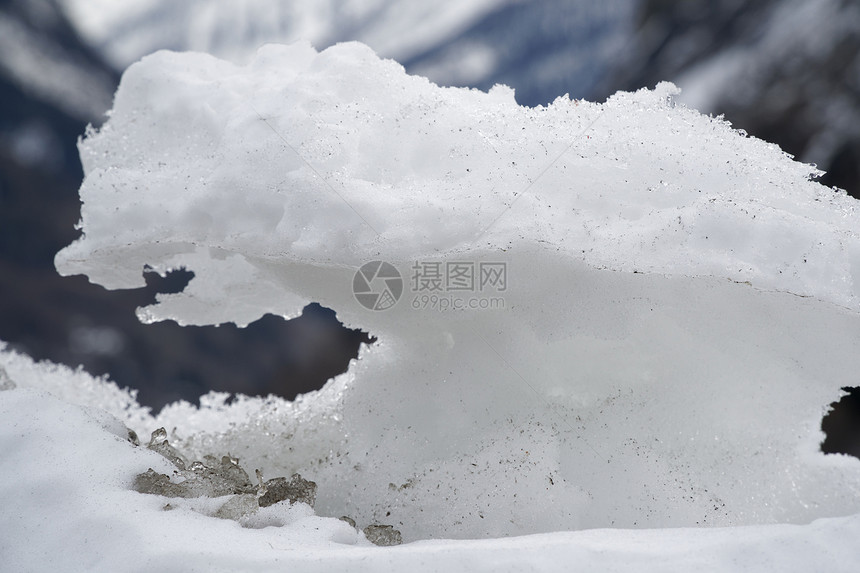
(67, 505)
(680, 307)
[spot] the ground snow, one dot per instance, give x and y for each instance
(65, 486)
(680, 307)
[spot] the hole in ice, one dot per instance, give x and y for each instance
(269, 356)
(173, 281)
(842, 425)
(78, 323)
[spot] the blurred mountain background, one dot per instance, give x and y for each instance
(787, 71)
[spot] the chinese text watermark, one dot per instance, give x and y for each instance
(434, 285)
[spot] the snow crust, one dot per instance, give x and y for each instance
(343, 155)
(680, 308)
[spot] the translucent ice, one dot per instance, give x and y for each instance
(154, 483)
(294, 490)
(238, 506)
(158, 443)
(384, 535)
(215, 478)
(5, 381)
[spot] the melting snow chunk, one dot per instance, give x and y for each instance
(679, 304)
(674, 304)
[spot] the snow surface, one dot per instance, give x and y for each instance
(67, 470)
(680, 308)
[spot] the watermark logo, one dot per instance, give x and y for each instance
(459, 276)
(445, 285)
(435, 285)
(377, 285)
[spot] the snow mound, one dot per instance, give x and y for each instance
(623, 314)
